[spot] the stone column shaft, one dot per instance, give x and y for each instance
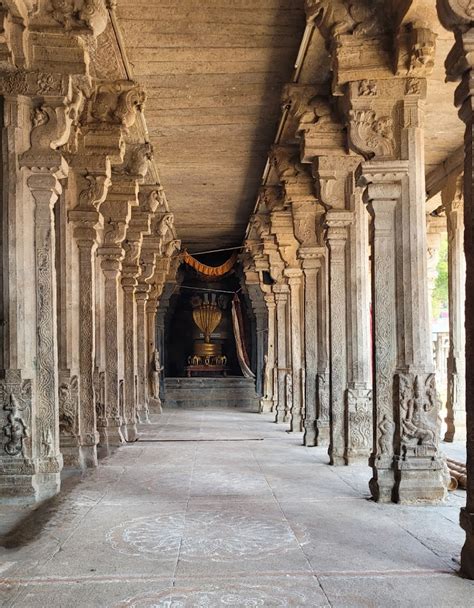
(141, 300)
(45, 188)
(87, 414)
(311, 266)
(129, 319)
(359, 385)
(336, 236)
(110, 427)
(322, 377)
(267, 403)
(282, 410)
(456, 402)
(295, 280)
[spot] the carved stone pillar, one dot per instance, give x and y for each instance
(311, 262)
(406, 402)
(396, 172)
(453, 203)
(337, 222)
(116, 211)
(322, 376)
(91, 186)
(18, 479)
(267, 403)
(154, 399)
(359, 381)
(141, 297)
(459, 18)
(283, 406)
(384, 198)
(295, 282)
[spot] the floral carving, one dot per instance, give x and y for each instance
(371, 135)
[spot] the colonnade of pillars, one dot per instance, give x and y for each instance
(87, 245)
(341, 229)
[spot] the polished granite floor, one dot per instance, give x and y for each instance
(223, 508)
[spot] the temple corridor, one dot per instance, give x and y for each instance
(223, 507)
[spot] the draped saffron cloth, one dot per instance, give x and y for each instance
(210, 271)
(238, 325)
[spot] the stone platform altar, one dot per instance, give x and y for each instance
(211, 393)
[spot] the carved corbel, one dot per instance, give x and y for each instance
(137, 161)
(116, 102)
(304, 108)
(416, 47)
(13, 44)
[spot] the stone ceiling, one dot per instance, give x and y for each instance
(214, 73)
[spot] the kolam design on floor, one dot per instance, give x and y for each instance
(218, 536)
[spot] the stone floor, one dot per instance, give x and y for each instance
(223, 508)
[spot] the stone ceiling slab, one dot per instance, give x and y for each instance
(214, 73)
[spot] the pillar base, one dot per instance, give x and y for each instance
(47, 485)
(155, 406)
(18, 483)
(467, 553)
(296, 423)
(456, 430)
(310, 434)
(280, 417)
(88, 455)
(337, 460)
(266, 405)
(323, 434)
(383, 481)
(110, 435)
(420, 480)
(143, 416)
(131, 433)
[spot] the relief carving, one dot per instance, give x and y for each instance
(360, 419)
(68, 407)
(371, 135)
(137, 160)
(419, 409)
(74, 14)
(118, 103)
(15, 429)
(339, 17)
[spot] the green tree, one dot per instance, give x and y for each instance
(440, 298)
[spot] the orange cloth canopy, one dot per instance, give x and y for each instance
(210, 271)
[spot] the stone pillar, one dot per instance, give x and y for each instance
(141, 297)
(337, 222)
(384, 199)
(406, 402)
(129, 283)
(267, 403)
(154, 400)
(311, 262)
(295, 282)
(91, 187)
(283, 406)
(359, 382)
(459, 66)
(116, 211)
(456, 403)
(322, 375)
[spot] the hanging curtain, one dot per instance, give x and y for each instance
(237, 324)
(210, 271)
